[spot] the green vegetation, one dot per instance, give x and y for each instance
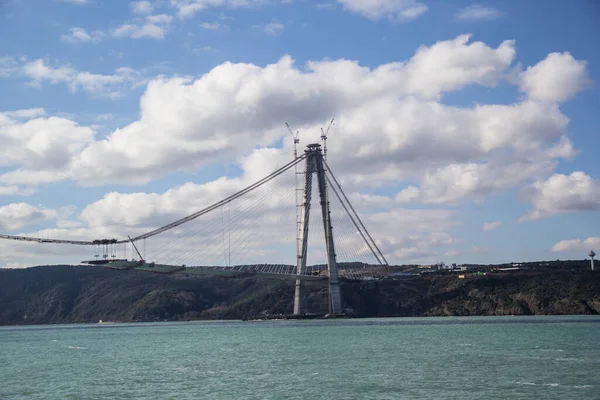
(66, 294)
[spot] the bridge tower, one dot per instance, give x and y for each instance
(314, 165)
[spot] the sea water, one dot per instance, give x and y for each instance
(398, 358)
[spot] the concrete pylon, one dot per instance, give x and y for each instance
(314, 164)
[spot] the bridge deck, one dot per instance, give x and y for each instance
(280, 271)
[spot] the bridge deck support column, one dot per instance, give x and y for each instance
(298, 303)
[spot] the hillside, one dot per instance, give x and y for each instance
(66, 294)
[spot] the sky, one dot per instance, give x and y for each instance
(464, 131)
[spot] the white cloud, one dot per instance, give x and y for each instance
(477, 12)
(80, 35)
(152, 27)
(76, 1)
(274, 28)
(451, 64)
(395, 10)
(562, 194)
(457, 182)
(557, 78)
(410, 235)
(211, 117)
(41, 148)
(488, 226)
(17, 215)
(141, 7)
(228, 111)
(579, 245)
(562, 149)
(40, 143)
(159, 19)
(106, 85)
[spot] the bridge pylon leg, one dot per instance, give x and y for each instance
(335, 297)
(299, 307)
(314, 164)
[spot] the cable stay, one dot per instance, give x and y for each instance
(380, 254)
(222, 202)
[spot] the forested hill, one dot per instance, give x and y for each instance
(67, 294)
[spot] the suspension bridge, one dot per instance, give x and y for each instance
(268, 219)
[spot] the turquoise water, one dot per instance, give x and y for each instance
(399, 358)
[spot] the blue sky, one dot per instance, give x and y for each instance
(472, 127)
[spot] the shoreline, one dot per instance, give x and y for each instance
(576, 318)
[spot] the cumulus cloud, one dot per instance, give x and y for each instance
(230, 109)
(47, 145)
(562, 194)
(412, 235)
(41, 142)
(562, 149)
(247, 102)
(457, 182)
(557, 78)
(395, 10)
(488, 226)
(80, 35)
(477, 12)
(17, 215)
(579, 245)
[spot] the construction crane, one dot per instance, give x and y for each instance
(324, 138)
